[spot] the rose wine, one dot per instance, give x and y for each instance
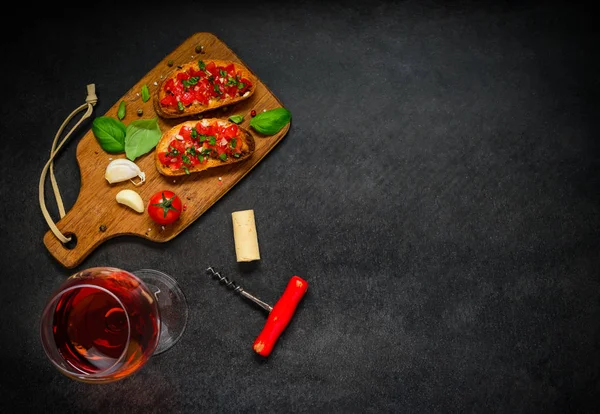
(105, 325)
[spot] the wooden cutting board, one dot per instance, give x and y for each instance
(96, 206)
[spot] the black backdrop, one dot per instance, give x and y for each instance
(438, 189)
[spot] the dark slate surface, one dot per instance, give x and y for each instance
(438, 189)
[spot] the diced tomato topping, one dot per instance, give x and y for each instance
(177, 144)
(182, 76)
(162, 157)
(212, 69)
(247, 85)
(186, 132)
(175, 165)
(193, 72)
(169, 100)
(187, 98)
(230, 131)
(230, 69)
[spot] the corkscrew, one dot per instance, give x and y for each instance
(279, 315)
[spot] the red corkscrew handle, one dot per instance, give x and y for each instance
(280, 316)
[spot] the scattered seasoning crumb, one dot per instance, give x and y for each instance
(192, 56)
(184, 207)
(149, 229)
(170, 62)
(199, 49)
(188, 198)
(102, 227)
(224, 108)
(174, 181)
(155, 83)
(110, 158)
(264, 110)
(137, 94)
(162, 228)
(140, 111)
(253, 113)
(96, 152)
(220, 178)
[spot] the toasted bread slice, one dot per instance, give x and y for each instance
(200, 86)
(194, 146)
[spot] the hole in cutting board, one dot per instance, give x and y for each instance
(71, 244)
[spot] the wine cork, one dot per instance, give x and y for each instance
(244, 234)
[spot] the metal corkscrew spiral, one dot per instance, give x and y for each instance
(237, 288)
(225, 280)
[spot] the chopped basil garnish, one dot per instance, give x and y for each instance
(201, 65)
(186, 159)
(233, 142)
(180, 106)
(223, 157)
(212, 140)
(241, 85)
(173, 152)
(194, 133)
(186, 169)
(237, 155)
(222, 73)
(217, 89)
(190, 82)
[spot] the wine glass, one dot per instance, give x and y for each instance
(103, 323)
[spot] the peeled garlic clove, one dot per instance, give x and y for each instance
(123, 169)
(131, 199)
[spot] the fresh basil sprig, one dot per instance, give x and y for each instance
(110, 133)
(141, 137)
(135, 139)
(272, 121)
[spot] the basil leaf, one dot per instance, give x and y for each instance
(212, 140)
(145, 93)
(141, 137)
(110, 133)
(223, 157)
(236, 119)
(271, 122)
(121, 111)
(201, 65)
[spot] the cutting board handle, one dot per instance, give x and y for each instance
(80, 224)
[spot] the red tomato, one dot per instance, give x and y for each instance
(164, 207)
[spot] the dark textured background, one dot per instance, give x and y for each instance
(438, 188)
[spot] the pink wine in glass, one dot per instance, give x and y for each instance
(102, 325)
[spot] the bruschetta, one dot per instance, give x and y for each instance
(201, 86)
(194, 146)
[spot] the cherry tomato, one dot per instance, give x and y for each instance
(164, 207)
